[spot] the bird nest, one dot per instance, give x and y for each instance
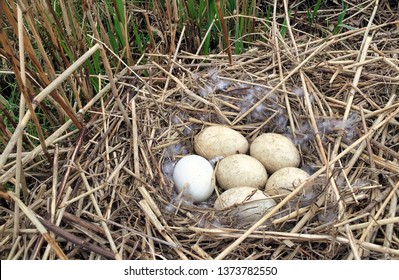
(109, 193)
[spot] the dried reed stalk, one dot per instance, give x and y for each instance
(54, 245)
(128, 208)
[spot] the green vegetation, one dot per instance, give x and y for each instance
(340, 20)
(59, 34)
(312, 15)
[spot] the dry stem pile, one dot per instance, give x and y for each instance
(107, 193)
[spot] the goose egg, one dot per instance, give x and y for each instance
(193, 175)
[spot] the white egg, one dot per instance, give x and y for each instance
(193, 174)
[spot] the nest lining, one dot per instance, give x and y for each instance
(119, 201)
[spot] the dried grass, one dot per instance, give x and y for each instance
(108, 193)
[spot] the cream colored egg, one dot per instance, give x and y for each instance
(241, 170)
(275, 151)
(285, 180)
(192, 175)
(244, 204)
(219, 140)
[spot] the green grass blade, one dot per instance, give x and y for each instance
(191, 9)
(314, 13)
(340, 20)
(137, 38)
(120, 10)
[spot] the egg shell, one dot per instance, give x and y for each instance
(285, 180)
(194, 174)
(219, 140)
(247, 204)
(241, 170)
(275, 151)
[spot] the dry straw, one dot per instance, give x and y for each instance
(109, 194)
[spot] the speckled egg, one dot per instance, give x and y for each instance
(275, 151)
(218, 140)
(239, 171)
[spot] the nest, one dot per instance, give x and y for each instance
(109, 194)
